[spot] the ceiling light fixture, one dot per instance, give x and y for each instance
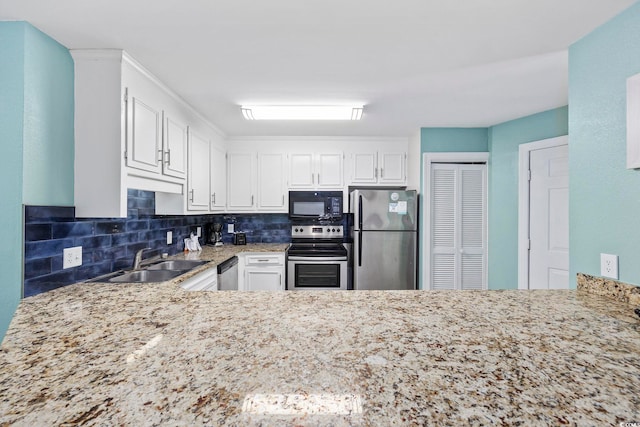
(302, 112)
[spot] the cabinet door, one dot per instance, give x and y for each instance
(218, 165)
(301, 172)
(143, 135)
(329, 167)
(264, 279)
(271, 182)
(240, 180)
(364, 168)
(392, 168)
(174, 162)
(198, 183)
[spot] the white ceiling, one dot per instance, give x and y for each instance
(413, 63)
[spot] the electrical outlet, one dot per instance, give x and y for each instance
(609, 266)
(230, 228)
(169, 237)
(72, 257)
(199, 231)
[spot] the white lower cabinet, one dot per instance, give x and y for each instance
(263, 271)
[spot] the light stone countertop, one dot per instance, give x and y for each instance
(144, 355)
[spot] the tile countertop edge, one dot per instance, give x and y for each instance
(609, 288)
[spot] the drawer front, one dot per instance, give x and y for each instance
(265, 260)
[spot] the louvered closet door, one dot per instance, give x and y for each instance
(458, 226)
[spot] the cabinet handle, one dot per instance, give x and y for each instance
(376, 173)
(168, 161)
(313, 178)
(213, 198)
(161, 153)
(252, 200)
(318, 179)
(192, 191)
(381, 173)
(283, 200)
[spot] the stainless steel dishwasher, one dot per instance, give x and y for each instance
(228, 274)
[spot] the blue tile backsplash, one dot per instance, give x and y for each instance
(109, 244)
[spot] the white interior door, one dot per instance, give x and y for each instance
(549, 218)
(458, 226)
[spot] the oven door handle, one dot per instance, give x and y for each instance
(317, 258)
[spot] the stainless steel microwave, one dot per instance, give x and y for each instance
(315, 205)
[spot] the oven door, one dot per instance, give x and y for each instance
(316, 273)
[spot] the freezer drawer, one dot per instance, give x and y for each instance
(384, 260)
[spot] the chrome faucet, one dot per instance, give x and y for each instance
(138, 258)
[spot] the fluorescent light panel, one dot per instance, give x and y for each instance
(302, 112)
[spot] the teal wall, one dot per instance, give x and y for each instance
(442, 140)
(504, 141)
(11, 131)
(604, 206)
(36, 130)
(48, 121)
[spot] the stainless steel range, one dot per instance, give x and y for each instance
(316, 259)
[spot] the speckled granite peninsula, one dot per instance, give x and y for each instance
(144, 355)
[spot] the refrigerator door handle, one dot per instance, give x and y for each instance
(359, 249)
(360, 212)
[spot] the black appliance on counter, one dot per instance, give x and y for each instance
(213, 234)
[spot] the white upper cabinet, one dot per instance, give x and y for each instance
(241, 181)
(218, 173)
(379, 168)
(144, 134)
(174, 154)
(316, 170)
(393, 167)
(256, 182)
(131, 132)
(364, 168)
(271, 182)
(198, 183)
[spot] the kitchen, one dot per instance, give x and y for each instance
(597, 217)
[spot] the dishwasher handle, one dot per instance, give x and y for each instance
(227, 264)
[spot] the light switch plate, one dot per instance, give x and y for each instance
(609, 266)
(169, 237)
(72, 257)
(230, 228)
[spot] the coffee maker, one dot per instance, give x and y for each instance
(213, 234)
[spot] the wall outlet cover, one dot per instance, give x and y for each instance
(609, 266)
(199, 231)
(169, 237)
(230, 228)
(72, 257)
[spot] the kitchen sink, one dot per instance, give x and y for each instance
(143, 276)
(177, 264)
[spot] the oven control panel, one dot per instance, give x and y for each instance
(316, 231)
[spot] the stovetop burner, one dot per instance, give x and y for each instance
(317, 240)
(317, 249)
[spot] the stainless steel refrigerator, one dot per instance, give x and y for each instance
(385, 236)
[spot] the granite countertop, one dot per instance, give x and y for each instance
(144, 355)
(215, 255)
